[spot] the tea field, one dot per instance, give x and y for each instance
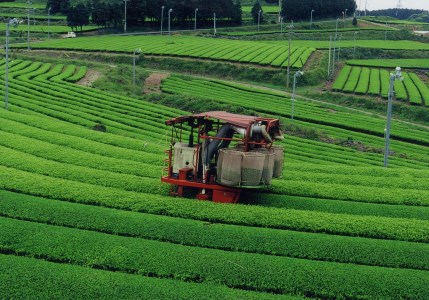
(421, 63)
(373, 81)
(259, 53)
(83, 212)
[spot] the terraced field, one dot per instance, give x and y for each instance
(45, 28)
(188, 46)
(321, 30)
(21, 5)
(370, 44)
(363, 80)
(268, 9)
(393, 21)
(420, 63)
(82, 209)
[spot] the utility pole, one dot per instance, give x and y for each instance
(259, 18)
(393, 77)
(311, 18)
(214, 23)
(333, 56)
(398, 6)
(288, 59)
(280, 10)
(329, 59)
(360, 7)
(49, 22)
(295, 76)
(195, 19)
(162, 16)
(125, 13)
(28, 25)
(169, 20)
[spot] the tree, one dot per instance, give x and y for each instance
(58, 6)
(99, 14)
(300, 10)
(136, 12)
(154, 9)
(55, 6)
(64, 6)
(255, 12)
(236, 13)
(354, 21)
(78, 16)
(115, 14)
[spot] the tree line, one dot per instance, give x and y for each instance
(299, 9)
(112, 13)
(401, 13)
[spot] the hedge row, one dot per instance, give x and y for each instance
(24, 278)
(183, 46)
(218, 236)
(376, 227)
(262, 101)
(360, 80)
(30, 163)
(249, 271)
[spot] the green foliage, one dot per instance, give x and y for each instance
(184, 46)
(257, 12)
(423, 88)
(360, 79)
(262, 100)
(216, 236)
(392, 63)
(78, 75)
(363, 83)
(90, 181)
(298, 10)
(78, 16)
(22, 277)
(400, 91)
(342, 78)
(374, 82)
(352, 81)
(58, 6)
(278, 274)
(413, 92)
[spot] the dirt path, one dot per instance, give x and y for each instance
(152, 84)
(90, 77)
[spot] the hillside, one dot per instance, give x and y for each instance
(99, 199)
(83, 139)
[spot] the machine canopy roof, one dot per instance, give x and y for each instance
(234, 119)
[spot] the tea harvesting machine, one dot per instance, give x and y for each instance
(217, 154)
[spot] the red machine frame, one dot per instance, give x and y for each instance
(209, 188)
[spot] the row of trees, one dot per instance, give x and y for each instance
(108, 14)
(299, 9)
(402, 13)
(111, 13)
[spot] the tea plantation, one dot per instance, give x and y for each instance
(363, 80)
(90, 206)
(84, 214)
